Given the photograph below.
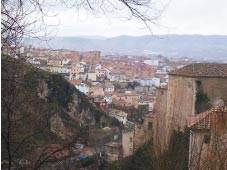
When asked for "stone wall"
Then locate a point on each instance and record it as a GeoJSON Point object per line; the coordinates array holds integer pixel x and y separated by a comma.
{"type": "Point", "coordinates": [175, 104]}
{"type": "Point", "coordinates": [127, 142]}
{"type": "Point", "coordinates": [182, 96]}
{"type": "Point", "coordinates": [198, 149]}
{"type": "Point", "coordinates": [180, 101]}
{"type": "Point", "coordinates": [215, 88]}
{"type": "Point", "coordinates": [160, 119]}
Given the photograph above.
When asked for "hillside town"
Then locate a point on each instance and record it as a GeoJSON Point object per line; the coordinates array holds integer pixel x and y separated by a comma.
{"type": "Point", "coordinates": [123, 86]}
{"type": "Point", "coordinates": [113, 85]}
{"type": "Point", "coordinates": [151, 96]}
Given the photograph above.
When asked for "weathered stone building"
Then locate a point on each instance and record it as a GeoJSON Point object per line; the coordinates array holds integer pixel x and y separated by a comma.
{"type": "Point", "coordinates": [143, 132]}
{"type": "Point", "coordinates": [160, 119]}
{"type": "Point", "coordinates": [113, 151]}
{"type": "Point", "coordinates": [127, 142]}
{"type": "Point", "coordinates": [208, 139]}
{"type": "Point", "coordinates": [191, 90]}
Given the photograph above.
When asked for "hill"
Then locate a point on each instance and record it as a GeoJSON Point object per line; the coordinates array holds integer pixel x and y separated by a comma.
{"type": "Point", "coordinates": [193, 46]}
{"type": "Point", "coordinates": [42, 115]}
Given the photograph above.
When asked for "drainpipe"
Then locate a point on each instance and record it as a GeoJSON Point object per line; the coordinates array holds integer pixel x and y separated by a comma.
{"type": "Point", "coordinates": [190, 148]}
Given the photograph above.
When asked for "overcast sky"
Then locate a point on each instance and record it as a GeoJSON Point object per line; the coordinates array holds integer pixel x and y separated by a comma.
{"type": "Point", "coordinates": [206, 17]}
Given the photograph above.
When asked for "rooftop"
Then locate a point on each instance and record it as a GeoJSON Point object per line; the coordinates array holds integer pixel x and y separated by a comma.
{"type": "Point", "coordinates": [200, 121]}
{"type": "Point", "coordinates": [113, 144]}
{"type": "Point", "coordinates": [149, 115]}
{"type": "Point", "coordinates": [203, 121]}
{"type": "Point", "coordinates": [121, 114]}
{"type": "Point", "coordinates": [202, 70]}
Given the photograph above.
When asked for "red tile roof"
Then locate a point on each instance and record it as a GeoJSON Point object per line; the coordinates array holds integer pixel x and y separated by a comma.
{"type": "Point", "coordinates": [202, 70]}
{"type": "Point", "coordinates": [203, 121]}
{"type": "Point", "coordinates": [200, 121]}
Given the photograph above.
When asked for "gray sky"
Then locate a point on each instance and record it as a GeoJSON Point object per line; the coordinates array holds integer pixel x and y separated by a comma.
{"type": "Point", "coordinates": [204, 17]}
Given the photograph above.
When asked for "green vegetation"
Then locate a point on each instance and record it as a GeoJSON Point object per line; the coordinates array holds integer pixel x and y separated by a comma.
{"type": "Point", "coordinates": [176, 157]}
{"type": "Point", "coordinates": [202, 102]}
{"type": "Point", "coordinates": [117, 85]}
{"type": "Point", "coordinates": [89, 161]}
{"type": "Point", "coordinates": [33, 76]}
{"type": "Point", "coordinates": [136, 115]}
{"type": "Point", "coordinates": [143, 109]}
{"type": "Point", "coordinates": [60, 91]}
{"type": "Point", "coordinates": [132, 85]}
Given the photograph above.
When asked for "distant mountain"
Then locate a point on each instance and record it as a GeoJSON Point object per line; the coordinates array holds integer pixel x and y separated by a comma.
{"type": "Point", "coordinates": [194, 46]}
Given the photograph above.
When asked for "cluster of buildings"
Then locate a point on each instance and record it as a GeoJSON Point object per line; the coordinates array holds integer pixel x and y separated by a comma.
{"type": "Point", "coordinates": [110, 80]}
{"type": "Point", "coordinates": [171, 95]}
{"type": "Point", "coordinates": [133, 136]}
{"type": "Point", "coordinates": [114, 83]}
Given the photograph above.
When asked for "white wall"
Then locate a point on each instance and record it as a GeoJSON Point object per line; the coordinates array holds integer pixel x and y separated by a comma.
{"type": "Point", "coordinates": [83, 88]}
{"type": "Point", "coordinates": [127, 143]}
{"type": "Point", "coordinates": [152, 62]}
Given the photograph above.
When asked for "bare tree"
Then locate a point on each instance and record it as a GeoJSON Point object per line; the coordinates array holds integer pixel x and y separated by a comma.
{"type": "Point", "coordinates": [25, 120]}
{"type": "Point", "coordinates": [22, 18]}
{"type": "Point", "coordinates": [26, 18]}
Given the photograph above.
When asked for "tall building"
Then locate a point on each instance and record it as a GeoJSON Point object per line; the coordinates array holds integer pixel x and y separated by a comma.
{"type": "Point", "coordinates": [191, 90]}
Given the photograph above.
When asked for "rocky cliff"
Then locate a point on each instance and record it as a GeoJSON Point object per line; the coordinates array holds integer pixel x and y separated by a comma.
{"type": "Point", "coordinates": [40, 108]}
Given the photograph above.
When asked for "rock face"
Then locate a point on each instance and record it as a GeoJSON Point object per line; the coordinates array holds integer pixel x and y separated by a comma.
{"type": "Point", "coordinates": [74, 107]}
{"type": "Point", "coordinates": [57, 127]}
{"type": "Point", "coordinates": [41, 110]}
{"type": "Point", "coordinates": [42, 89]}
{"type": "Point", "coordinates": [51, 98]}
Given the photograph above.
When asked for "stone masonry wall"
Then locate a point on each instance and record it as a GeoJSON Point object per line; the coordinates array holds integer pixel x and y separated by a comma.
{"type": "Point", "coordinates": [215, 88]}
{"type": "Point", "coordinates": [160, 119]}
{"type": "Point", "coordinates": [180, 101]}
{"type": "Point", "coordinates": [174, 105]}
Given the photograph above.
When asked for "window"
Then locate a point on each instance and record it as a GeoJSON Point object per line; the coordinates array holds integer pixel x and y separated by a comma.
{"type": "Point", "coordinates": [198, 86]}
{"type": "Point", "coordinates": [206, 139]}
{"type": "Point", "coordinates": [150, 125]}
{"type": "Point", "coordinates": [189, 84]}
{"type": "Point", "coordinates": [130, 139]}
